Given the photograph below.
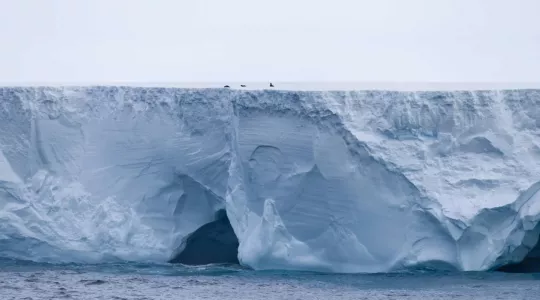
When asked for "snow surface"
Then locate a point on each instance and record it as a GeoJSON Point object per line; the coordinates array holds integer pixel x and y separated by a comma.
{"type": "Point", "coordinates": [339, 181]}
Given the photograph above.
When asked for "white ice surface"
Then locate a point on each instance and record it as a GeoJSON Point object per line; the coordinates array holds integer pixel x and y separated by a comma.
{"type": "Point", "coordinates": [351, 181]}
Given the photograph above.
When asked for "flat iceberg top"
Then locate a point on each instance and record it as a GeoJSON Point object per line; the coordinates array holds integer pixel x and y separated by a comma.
{"type": "Point", "coordinates": [342, 181]}
{"type": "Point", "coordinates": [305, 86]}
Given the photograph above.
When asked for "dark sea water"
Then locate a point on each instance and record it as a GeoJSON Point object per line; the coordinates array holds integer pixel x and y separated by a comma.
{"type": "Point", "coordinates": [26, 280]}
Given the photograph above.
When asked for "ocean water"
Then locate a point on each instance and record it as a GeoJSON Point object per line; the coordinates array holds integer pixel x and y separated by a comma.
{"type": "Point", "coordinates": [27, 280]}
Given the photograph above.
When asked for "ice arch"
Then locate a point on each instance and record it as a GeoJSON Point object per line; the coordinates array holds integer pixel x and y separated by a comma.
{"type": "Point", "coordinates": [214, 242]}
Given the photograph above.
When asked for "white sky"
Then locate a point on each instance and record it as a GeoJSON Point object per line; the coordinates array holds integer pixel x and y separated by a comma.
{"type": "Point", "coordinates": [67, 41]}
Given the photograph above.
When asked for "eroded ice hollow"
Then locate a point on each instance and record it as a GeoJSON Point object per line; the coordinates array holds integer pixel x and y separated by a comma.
{"type": "Point", "coordinates": [367, 181]}
{"type": "Point", "coordinates": [212, 243]}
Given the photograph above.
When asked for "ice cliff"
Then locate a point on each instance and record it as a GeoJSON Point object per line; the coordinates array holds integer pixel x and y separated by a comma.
{"type": "Point", "coordinates": [367, 181]}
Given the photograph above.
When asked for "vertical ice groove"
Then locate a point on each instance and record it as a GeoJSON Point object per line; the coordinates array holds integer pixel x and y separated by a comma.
{"type": "Point", "coordinates": [339, 181]}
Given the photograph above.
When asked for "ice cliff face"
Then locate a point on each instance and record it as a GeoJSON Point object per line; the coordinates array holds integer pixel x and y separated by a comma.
{"type": "Point", "coordinates": [329, 181]}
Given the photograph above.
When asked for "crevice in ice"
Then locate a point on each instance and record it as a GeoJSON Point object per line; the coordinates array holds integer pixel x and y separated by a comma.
{"type": "Point", "coordinates": [212, 243]}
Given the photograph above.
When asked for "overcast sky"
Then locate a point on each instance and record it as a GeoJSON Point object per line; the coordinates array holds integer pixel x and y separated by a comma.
{"type": "Point", "coordinates": [63, 41]}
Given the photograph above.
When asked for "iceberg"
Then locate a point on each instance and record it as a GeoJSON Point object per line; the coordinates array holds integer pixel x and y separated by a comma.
{"type": "Point", "coordinates": [332, 181]}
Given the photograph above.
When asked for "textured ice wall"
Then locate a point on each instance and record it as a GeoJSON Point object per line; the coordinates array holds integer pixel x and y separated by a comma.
{"type": "Point", "coordinates": [331, 181]}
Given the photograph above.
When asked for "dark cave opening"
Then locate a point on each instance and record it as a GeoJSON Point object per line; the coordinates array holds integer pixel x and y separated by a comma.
{"type": "Point", "coordinates": [212, 243]}
{"type": "Point", "coordinates": [530, 264]}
